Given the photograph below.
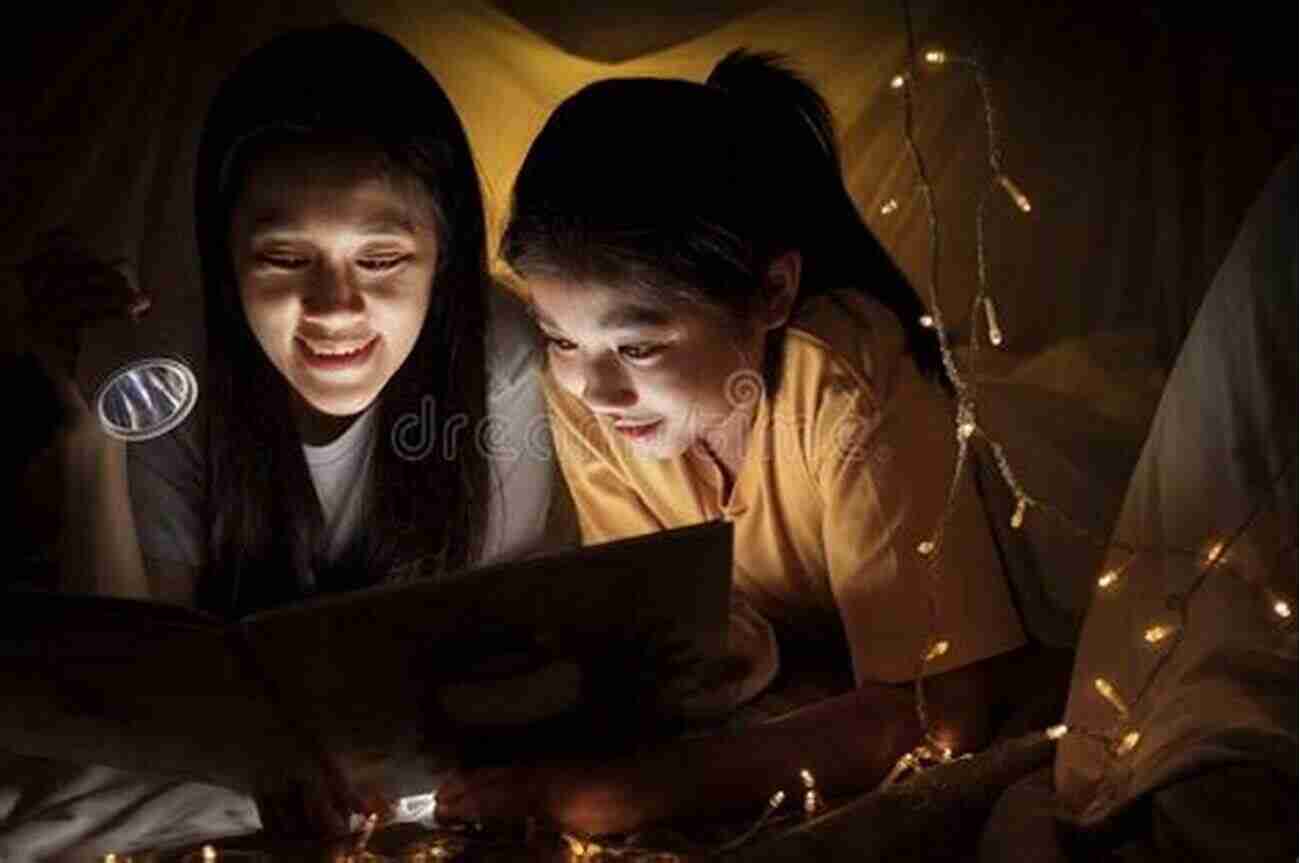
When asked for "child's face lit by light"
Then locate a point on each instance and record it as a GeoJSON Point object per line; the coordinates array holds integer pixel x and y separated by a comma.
{"type": "Point", "coordinates": [664, 379]}
{"type": "Point", "coordinates": [335, 262]}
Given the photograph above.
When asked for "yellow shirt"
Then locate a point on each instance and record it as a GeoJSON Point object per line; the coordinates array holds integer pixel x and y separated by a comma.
{"type": "Point", "coordinates": [846, 471]}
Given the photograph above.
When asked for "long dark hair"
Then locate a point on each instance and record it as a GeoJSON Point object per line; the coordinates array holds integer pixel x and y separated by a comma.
{"type": "Point", "coordinates": [318, 87]}
{"type": "Point", "coordinates": [686, 192]}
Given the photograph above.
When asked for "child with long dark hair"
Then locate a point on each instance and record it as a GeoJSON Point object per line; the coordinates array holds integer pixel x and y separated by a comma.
{"type": "Point", "coordinates": [369, 409]}
{"type": "Point", "coordinates": [727, 339]}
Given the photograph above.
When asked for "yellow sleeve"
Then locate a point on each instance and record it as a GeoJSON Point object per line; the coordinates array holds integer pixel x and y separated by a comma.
{"type": "Point", "coordinates": [883, 469]}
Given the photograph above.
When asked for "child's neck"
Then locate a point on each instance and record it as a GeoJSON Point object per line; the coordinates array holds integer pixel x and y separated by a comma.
{"type": "Point", "coordinates": [727, 445]}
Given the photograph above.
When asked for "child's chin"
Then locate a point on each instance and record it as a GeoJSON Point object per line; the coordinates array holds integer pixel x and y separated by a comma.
{"type": "Point", "coordinates": [657, 448]}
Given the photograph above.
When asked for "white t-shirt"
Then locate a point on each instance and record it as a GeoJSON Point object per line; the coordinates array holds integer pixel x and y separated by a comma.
{"type": "Point", "coordinates": [166, 474]}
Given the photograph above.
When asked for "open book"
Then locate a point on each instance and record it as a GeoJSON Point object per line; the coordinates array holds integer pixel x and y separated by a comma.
{"type": "Point", "coordinates": [391, 684]}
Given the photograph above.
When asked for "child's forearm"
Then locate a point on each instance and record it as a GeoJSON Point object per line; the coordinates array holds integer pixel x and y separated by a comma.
{"type": "Point", "coordinates": [848, 743]}
{"type": "Point", "coordinates": [99, 548]}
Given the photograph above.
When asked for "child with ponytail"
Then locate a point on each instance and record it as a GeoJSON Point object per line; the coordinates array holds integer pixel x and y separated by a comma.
{"type": "Point", "coordinates": [727, 339]}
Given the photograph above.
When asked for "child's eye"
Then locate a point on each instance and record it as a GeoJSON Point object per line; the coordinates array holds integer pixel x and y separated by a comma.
{"type": "Point", "coordinates": [382, 264]}
{"type": "Point", "coordinates": [282, 261]}
{"type": "Point", "coordinates": [641, 352]}
{"type": "Point", "coordinates": [558, 344]}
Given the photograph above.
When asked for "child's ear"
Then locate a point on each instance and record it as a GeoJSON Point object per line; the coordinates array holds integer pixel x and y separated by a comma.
{"type": "Point", "coordinates": [782, 287]}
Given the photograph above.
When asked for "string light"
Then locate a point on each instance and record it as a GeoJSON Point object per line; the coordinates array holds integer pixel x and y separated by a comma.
{"type": "Point", "coordinates": [1108, 692]}
{"type": "Point", "coordinates": [581, 849]}
{"type": "Point", "coordinates": [939, 648]}
{"type": "Point", "coordinates": [898, 82]}
{"type": "Point", "coordinates": [1215, 554]}
{"type": "Point", "coordinates": [1109, 580]}
{"type": "Point", "coordinates": [773, 803]}
{"type": "Point", "coordinates": [991, 317]}
{"type": "Point", "coordinates": [209, 854]}
{"type": "Point", "coordinates": [1158, 633]}
{"type": "Point", "coordinates": [889, 206]}
{"type": "Point", "coordinates": [811, 799]}
{"type": "Point", "coordinates": [1128, 743]}
{"type": "Point", "coordinates": [1017, 196]}
{"type": "Point", "coordinates": [1018, 517]}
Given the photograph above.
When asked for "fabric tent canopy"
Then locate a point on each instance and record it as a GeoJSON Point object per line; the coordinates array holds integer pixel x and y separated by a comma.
{"type": "Point", "coordinates": [1141, 133]}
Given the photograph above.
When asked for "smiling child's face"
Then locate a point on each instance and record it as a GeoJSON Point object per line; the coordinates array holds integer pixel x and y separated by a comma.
{"type": "Point", "coordinates": [665, 378]}
{"type": "Point", "coordinates": [335, 261]}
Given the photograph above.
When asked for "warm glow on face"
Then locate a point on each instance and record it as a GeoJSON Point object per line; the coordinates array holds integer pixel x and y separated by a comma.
{"type": "Point", "coordinates": [333, 260]}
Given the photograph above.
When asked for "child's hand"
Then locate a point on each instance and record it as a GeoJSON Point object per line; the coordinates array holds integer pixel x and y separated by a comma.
{"type": "Point", "coordinates": [314, 809]}
{"type": "Point", "coordinates": [590, 799]}
{"type": "Point", "coordinates": [66, 289]}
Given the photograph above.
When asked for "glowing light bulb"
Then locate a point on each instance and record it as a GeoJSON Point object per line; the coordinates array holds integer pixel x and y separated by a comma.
{"type": "Point", "coordinates": [927, 321]}
{"type": "Point", "coordinates": [1158, 633]}
{"type": "Point", "coordinates": [936, 57]}
{"type": "Point", "coordinates": [775, 801]}
{"type": "Point", "coordinates": [1018, 517]}
{"type": "Point", "coordinates": [807, 778]}
{"type": "Point", "coordinates": [939, 648]}
{"type": "Point", "coordinates": [1212, 556]}
{"type": "Point", "coordinates": [582, 849]}
{"type": "Point", "coordinates": [925, 548]}
{"type": "Point", "coordinates": [1282, 609]}
{"type": "Point", "coordinates": [966, 429]}
{"type": "Point", "coordinates": [888, 207]}
{"type": "Point", "coordinates": [1056, 732]}
{"type": "Point", "coordinates": [991, 317]}
{"type": "Point", "coordinates": [1128, 743]}
{"type": "Point", "coordinates": [1109, 579]}
{"type": "Point", "coordinates": [1108, 692]}
{"type": "Point", "coordinates": [209, 854]}
{"type": "Point", "coordinates": [898, 82]}
{"type": "Point", "coordinates": [110, 857]}
{"type": "Point", "coordinates": [1017, 196]}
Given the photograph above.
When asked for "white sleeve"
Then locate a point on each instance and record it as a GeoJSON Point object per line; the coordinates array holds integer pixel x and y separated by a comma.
{"type": "Point", "coordinates": [527, 496]}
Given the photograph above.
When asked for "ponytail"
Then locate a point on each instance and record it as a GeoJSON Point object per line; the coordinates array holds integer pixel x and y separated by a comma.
{"type": "Point", "coordinates": [794, 130]}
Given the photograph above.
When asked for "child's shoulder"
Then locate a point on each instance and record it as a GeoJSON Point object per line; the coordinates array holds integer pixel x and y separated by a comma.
{"type": "Point", "coordinates": [841, 342]}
